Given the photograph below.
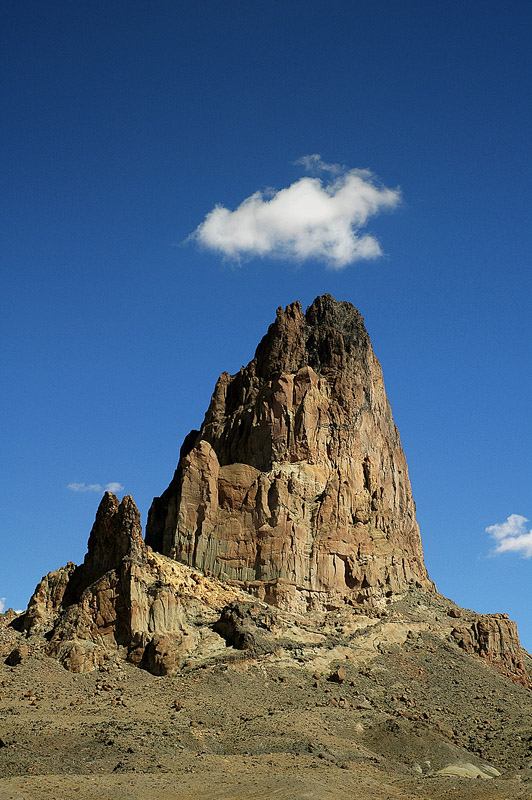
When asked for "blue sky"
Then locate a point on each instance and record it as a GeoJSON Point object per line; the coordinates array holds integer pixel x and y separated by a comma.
{"type": "Point", "coordinates": [125, 124]}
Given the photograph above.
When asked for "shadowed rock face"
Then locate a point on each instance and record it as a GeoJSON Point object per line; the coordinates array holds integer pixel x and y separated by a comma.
{"type": "Point", "coordinates": [88, 608]}
{"type": "Point", "coordinates": [297, 484]}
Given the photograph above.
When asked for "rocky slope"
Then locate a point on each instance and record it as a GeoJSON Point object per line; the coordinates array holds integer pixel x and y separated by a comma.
{"type": "Point", "coordinates": [348, 703]}
{"type": "Point", "coordinates": [297, 486]}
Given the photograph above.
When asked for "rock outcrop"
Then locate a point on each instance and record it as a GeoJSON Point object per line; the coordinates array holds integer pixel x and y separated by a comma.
{"type": "Point", "coordinates": [249, 626]}
{"type": "Point", "coordinates": [494, 638]}
{"type": "Point", "coordinates": [297, 486]}
{"type": "Point", "coordinates": [123, 601]}
{"type": "Point", "coordinates": [294, 493]}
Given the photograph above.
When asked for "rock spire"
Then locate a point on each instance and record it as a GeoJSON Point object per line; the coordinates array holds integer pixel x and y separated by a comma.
{"type": "Point", "coordinates": [296, 485]}
{"type": "Point", "coordinates": [124, 601]}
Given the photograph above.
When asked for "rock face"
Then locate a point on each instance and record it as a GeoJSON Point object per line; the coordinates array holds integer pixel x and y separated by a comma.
{"type": "Point", "coordinates": [494, 638]}
{"type": "Point", "coordinates": [297, 486]}
{"type": "Point", "coordinates": [123, 601]}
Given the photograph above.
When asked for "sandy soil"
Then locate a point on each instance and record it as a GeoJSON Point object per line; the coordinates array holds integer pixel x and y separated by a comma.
{"type": "Point", "coordinates": [272, 726]}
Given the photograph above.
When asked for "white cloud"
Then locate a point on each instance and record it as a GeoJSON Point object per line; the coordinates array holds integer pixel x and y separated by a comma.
{"type": "Point", "coordinates": [96, 487]}
{"type": "Point", "coordinates": [315, 163]}
{"type": "Point", "coordinates": [85, 487]}
{"type": "Point", "coordinates": [512, 536]}
{"type": "Point", "coordinates": [114, 487]}
{"type": "Point", "coordinates": [310, 219]}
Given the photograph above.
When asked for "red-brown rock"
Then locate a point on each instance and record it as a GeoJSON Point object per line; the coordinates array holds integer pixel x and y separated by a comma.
{"type": "Point", "coordinates": [338, 676]}
{"type": "Point", "coordinates": [494, 638]}
{"type": "Point", "coordinates": [17, 655]}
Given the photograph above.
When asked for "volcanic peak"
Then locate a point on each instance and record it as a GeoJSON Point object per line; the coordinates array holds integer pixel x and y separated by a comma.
{"type": "Point", "coordinates": [296, 486]}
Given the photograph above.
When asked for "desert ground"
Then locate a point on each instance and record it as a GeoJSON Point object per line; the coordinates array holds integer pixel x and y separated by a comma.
{"type": "Point", "coordinates": [385, 707]}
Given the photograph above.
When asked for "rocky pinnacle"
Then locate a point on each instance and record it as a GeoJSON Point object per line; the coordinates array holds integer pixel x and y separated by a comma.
{"type": "Point", "coordinates": [296, 486]}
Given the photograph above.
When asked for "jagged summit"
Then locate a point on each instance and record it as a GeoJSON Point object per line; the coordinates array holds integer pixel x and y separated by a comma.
{"type": "Point", "coordinates": [296, 340]}
{"type": "Point", "coordinates": [115, 539]}
{"type": "Point", "coordinates": [296, 484]}
{"type": "Point", "coordinates": [115, 535]}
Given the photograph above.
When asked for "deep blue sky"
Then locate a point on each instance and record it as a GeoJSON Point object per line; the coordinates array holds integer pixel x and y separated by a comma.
{"type": "Point", "coordinates": [125, 123]}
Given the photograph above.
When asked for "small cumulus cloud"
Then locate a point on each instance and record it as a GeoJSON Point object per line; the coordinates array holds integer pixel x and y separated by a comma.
{"type": "Point", "coordinates": [313, 218]}
{"type": "Point", "coordinates": [96, 487]}
{"type": "Point", "coordinates": [512, 536]}
{"type": "Point", "coordinates": [113, 487]}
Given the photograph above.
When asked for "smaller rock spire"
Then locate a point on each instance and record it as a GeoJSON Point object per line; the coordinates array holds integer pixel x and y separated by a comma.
{"type": "Point", "coordinates": [116, 533]}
